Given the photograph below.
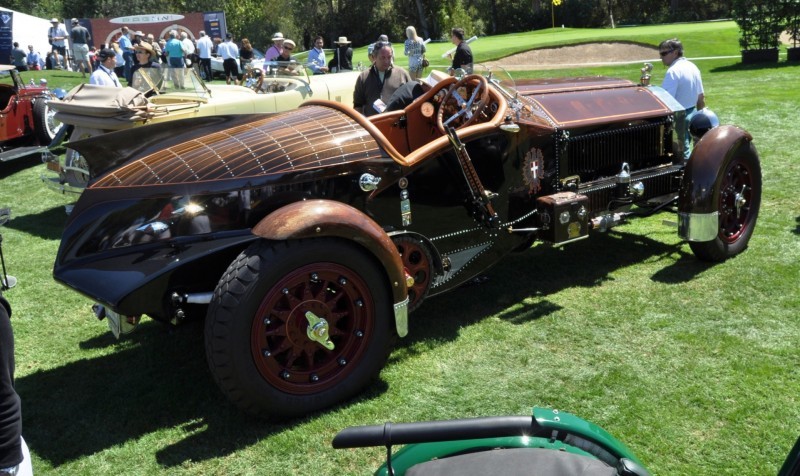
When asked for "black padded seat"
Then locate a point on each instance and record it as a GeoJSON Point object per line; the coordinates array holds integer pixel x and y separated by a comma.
{"type": "Point", "coordinates": [514, 461]}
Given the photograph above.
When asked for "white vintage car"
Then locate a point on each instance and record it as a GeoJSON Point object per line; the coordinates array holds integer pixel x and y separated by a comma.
{"type": "Point", "coordinates": [167, 94]}
{"type": "Point", "coordinates": [218, 70]}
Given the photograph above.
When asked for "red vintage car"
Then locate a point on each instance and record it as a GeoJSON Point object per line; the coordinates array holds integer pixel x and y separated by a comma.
{"type": "Point", "coordinates": [305, 238]}
{"type": "Point", "coordinates": [27, 124]}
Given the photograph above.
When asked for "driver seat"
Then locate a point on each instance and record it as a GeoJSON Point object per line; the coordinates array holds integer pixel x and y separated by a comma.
{"type": "Point", "coordinates": [383, 130]}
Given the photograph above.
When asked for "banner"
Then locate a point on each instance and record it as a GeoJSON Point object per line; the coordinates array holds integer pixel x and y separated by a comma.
{"type": "Point", "coordinates": [6, 36]}
{"type": "Point", "coordinates": [214, 24]}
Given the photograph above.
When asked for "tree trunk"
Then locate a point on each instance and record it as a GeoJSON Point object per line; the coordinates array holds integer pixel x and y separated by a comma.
{"type": "Point", "coordinates": [423, 23]}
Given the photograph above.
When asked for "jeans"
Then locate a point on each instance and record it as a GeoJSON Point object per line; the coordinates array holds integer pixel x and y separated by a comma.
{"type": "Point", "coordinates": [687, 139]}
{"type": "Point", "coordinates": [128, 57]}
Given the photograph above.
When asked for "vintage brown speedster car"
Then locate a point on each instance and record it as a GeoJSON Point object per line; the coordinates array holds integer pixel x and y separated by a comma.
{"type": "Point", "coordinates": [305, 238]}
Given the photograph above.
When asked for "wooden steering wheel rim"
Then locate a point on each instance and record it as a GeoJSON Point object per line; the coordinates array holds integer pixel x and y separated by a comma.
{"type": "Point", "coordinates": [477, 108]}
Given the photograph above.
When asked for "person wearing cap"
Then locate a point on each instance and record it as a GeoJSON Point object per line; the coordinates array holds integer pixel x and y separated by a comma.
{"type": "Point", "coordinates": [229, 53]}
{"type": "Point", "coordinates": [276, 49]}
{"type": "Point", "coordinates": [342, 56]}
{"type": "Point", "coordinates": [56, 36]}
{"type": "Point", "coordinates": [104, 74]}
{"type": "Point", "coordinates": [286, 57]}
{"type": "Point", "coordinates": [316, 57]}
{"type": "Point", "coordinates": [375, 86]}
{"type": "Point", "coordinates": [126, 46]}
{"type": "Point", "coordinates": [145, 58]}
{"type": "Point", "coordinates": [79, 38]}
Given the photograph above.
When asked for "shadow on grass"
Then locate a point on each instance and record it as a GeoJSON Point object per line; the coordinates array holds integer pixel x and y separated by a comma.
{"type": "Point", "coordinates": [161, 381]}
{"type": "Point", "coordinates": [517, 288]}
{"type": "Point", "coordinates": [47, 224]}
{"type": "Point", "coordinates": [158, 379]}
{"type": "Point", "coordinates": [735, 67]}
{"type": "Point", "coordinates": [11, 167]}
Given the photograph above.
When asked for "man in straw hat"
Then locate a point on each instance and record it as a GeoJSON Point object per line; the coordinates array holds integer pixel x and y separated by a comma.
{"type": "Point", "coordinates": [145, 58]}
{"type": "Point", "coordinates": [342, 56]}
{"type": "Point", "coordinates": [56, 36]}
{"type": "Point", "coordinates": [277, 47]}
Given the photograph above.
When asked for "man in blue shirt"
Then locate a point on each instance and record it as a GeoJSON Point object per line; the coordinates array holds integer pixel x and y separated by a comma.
{"type": "Point", "coordinates": [126, 46]}
{"type": "Point", "coordinates": [34, 60]}
{"type": "Point", "coordinates": [316, 57]}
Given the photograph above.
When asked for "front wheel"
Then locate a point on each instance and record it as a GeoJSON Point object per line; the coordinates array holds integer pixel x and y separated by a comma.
{"type": "Point", "coordinates": [295, 327]}
{"type": "Point", "coordinates": [738, 192]}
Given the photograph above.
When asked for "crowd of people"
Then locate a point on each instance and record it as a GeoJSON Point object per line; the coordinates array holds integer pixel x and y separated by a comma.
{"type": "Point", "coordinates": [376, 84]}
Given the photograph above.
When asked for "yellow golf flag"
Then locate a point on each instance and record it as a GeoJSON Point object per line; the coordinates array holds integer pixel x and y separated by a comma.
{"type": "Point", "coordinates": [556, 2]}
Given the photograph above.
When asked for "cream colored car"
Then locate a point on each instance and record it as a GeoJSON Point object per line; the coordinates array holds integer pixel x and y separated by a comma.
{"type": "Point", "coordinates": [167, 94]}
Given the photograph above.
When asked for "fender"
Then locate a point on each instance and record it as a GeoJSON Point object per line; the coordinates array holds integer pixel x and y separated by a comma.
{"type": "Point", "coordinates": [316, 218]}
{"type": "Point", "coordinates": [698, 200]}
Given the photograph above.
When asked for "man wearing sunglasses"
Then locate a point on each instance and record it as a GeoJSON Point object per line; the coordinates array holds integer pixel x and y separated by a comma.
{"type": "Point", "coordinates": [682, 80]}
{"type": "Point", "coordinates": [285, 58]}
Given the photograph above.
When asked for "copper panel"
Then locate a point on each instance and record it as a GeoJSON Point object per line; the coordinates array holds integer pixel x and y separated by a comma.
{"type": "Point", "coordinates": [306, 138]}
{"type": "Point", "coordinates": [540, 86]}
{"type": "Point", "coordinates": [579, 108]}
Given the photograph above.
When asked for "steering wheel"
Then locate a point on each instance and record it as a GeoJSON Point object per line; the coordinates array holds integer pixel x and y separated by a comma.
{"type": "Point", "coordinates": [463, 103]}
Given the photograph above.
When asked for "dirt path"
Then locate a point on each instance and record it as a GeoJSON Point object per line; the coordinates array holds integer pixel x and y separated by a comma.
{"type": "Point", "coordinates": [579, 55]}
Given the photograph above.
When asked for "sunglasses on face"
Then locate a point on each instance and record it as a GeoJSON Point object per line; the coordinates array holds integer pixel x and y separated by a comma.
{"type": "Point", "coordinates": [287, 48]}
{"type": "Point", "coordinates": [665, 53]}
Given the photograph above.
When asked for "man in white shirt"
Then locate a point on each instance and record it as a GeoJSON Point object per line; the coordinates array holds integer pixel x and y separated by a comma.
{"type": "Point", "coordinates": [204, 48]}
{"type": "Point", "coordinates": [188, 48]}
{"type": "Point", "coordinates": [683, 82]}
{"type": "Point", "coordinates": [104, 74]}
{"type": "Point", "coordinates": [229, 53]}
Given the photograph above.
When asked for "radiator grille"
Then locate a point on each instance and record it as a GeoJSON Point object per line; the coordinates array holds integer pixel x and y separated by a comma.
{"type": "Point", "coordinates": [600, 154]}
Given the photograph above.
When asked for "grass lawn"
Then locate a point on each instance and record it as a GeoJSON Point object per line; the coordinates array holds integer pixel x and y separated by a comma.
{"type": "Point", "coordinates": [693, 366]}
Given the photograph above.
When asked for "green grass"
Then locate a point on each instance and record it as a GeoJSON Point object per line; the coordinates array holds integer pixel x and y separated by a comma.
{"type": "Point", "coordinates": [693, 366]}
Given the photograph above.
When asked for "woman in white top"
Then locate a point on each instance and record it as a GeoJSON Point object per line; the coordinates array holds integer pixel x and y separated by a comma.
{"type": "Point", "coordinates": [415, 50]}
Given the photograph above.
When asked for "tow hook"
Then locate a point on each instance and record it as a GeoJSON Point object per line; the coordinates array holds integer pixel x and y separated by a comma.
{"type": "Point", "coordinates": [317, 330]}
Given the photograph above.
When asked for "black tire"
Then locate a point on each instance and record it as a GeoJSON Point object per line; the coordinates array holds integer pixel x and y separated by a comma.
{"type": "Point", "coordinates": [256, 339]}
{"type": "Point", "coordinates": [738, 192]}
{"type": "Point", "coordinates": [44, 122]}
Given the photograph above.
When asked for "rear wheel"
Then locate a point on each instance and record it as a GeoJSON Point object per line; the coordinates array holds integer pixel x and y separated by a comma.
{"type": "Point", "coordinates": [417, 263]}
{"type": "Point", "coordinates": [738, 189]}
{"type": "Point", "coordinates": [77, 171]}
{"type": "Point", "coordinates": [295, 327]}
{"type": "Point", "coordinates": [44, 121]}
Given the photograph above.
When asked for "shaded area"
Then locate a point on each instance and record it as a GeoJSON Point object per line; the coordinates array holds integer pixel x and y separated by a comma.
{"type": "Point", "coordinates": [160, 382]}
{"type": "Point", "coordinates": [523, 281]}
{"type": "Point", "coordinates": [47, 224]}
{"type": "Point", "coordinates": [8, 169]}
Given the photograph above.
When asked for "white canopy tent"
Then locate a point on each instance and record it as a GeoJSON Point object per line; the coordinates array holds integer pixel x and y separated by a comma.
{"type": "Point", "coordinates": [30, 30]}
